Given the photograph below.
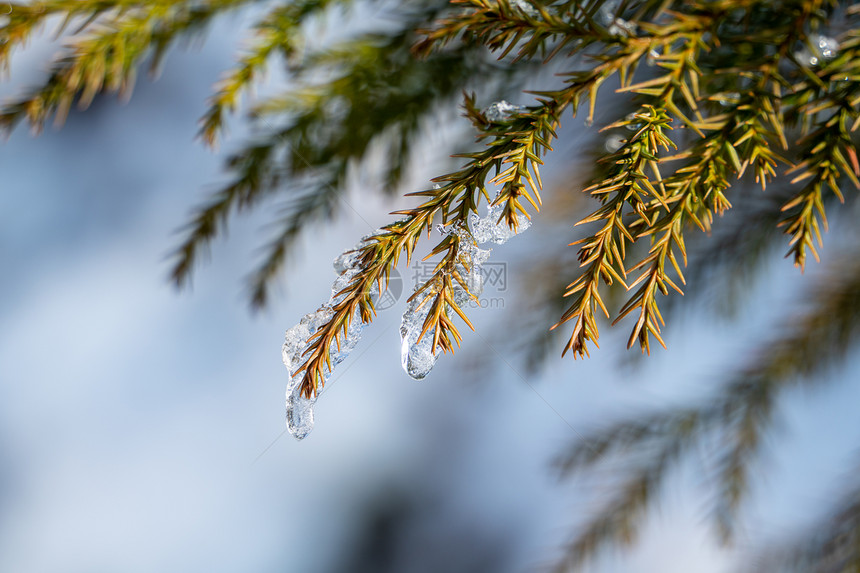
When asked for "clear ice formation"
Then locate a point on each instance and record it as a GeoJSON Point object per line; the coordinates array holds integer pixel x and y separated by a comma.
{"type": "Point", "coordinates": [470, 266]}
{"type": "Point", "coordinates": [300, 412]}
{"type": "Point", "coordinates": [633, 125]}
{"type": "Point", "coordinates": [622, 28]}
{"type": "Point", "coordinates": [501, 111]}
{"type": "Point", "coordinates": [489, 229]}
{"type": "Point", "coordinates": [416, 356]}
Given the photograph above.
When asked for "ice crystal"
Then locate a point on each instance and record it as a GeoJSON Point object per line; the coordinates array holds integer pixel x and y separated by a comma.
{"type": "Point", "coordinates": [501, 111]}
{"type": "Point", "coordinates": [622, 28]}
{"type": "Point", "coordinates": [416, 356]}
{"type": "Point", "coordinates": [634, 124]}
{"type": "Point", "coordinates": [615, 26]}
{"type": "Point", "coordinates": [489, 229]}
{"type": "Point", "coordinates": [470, 261]}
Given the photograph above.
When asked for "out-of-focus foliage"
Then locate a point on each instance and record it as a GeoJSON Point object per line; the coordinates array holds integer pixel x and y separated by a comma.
{"type": "Point", "coordinates": [719, 97]}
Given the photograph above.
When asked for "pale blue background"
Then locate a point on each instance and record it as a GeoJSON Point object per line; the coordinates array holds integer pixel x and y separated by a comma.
{"type": "Point", "coordinates": [133, 417]}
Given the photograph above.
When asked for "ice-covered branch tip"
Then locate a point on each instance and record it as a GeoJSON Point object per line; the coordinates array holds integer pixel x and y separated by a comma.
{"type": "Point", "coordinates": [300, 414]}
{"type": "Point", "coordinates": [514, 155]}
{"type": "Point", "coordinates": [418, 353]}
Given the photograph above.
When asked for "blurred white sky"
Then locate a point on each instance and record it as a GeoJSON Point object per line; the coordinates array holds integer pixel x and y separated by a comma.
{"type": "Point", "coordinates": [131, 415]}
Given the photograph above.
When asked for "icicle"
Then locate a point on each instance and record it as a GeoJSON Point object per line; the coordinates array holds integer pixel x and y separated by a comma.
{"type": "Point", "coordinates": [501, 111]}
{"type": "Point", "coordinates": [416, 356]}
{"type": "Point", "coordinates": [300, 414]}
{"type": "Point", "coordinates": [300, 410]}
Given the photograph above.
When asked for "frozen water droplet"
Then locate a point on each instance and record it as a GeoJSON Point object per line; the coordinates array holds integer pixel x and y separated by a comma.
{"type": "Point", "coordinates": [588, 122]}
{"type": "Point", "coordinates": [501, 111]}
{"type": "Point", "coordinates": [824, 48]}
{"type": "Point", "coordinates": [827, 47]}
{"type": "Point", "coordinates": [526, 8]}
{"type": "Point", "coordinates": [633, 125]}
{"type": "Point", "coordinates": [613, 143]}
{"type": "Point", "coordinates": [350, 259]}
{"type": "Point", "coordinates": [470, 267]}
{"type": "Point", "coordinates": [470, 260]}
{"type": "Point", "coordinates": [489, 229]}
{"type": "Point", "coordinates": [416, 356]}
{"type": "Point", "coordinates": [653, 56]}
{"type": "Point", "coordinates": [622, 28]}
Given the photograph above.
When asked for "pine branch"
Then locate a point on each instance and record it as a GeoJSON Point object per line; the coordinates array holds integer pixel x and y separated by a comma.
{"type": "Point", "coordinates": [278, 32]}
{"type": "Point", "coordinates": [602, 254]}
{"type": "Point", "coordinates": [106, 57]}
{"type": "Point", "coordinates": [517, 146]}
{"type": "Point", "coordinates": [377, 95]}
{"type": "Point", "coordinates": [829, 153]}
{"type": "Point", "coordinates": [739, 415]}
{"type": "Point", "coordinates": [516, 143]}
{"type": "Point", "coordinates": [502, 25]}
{"type": "Point", "coordinates": [618, 522]}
